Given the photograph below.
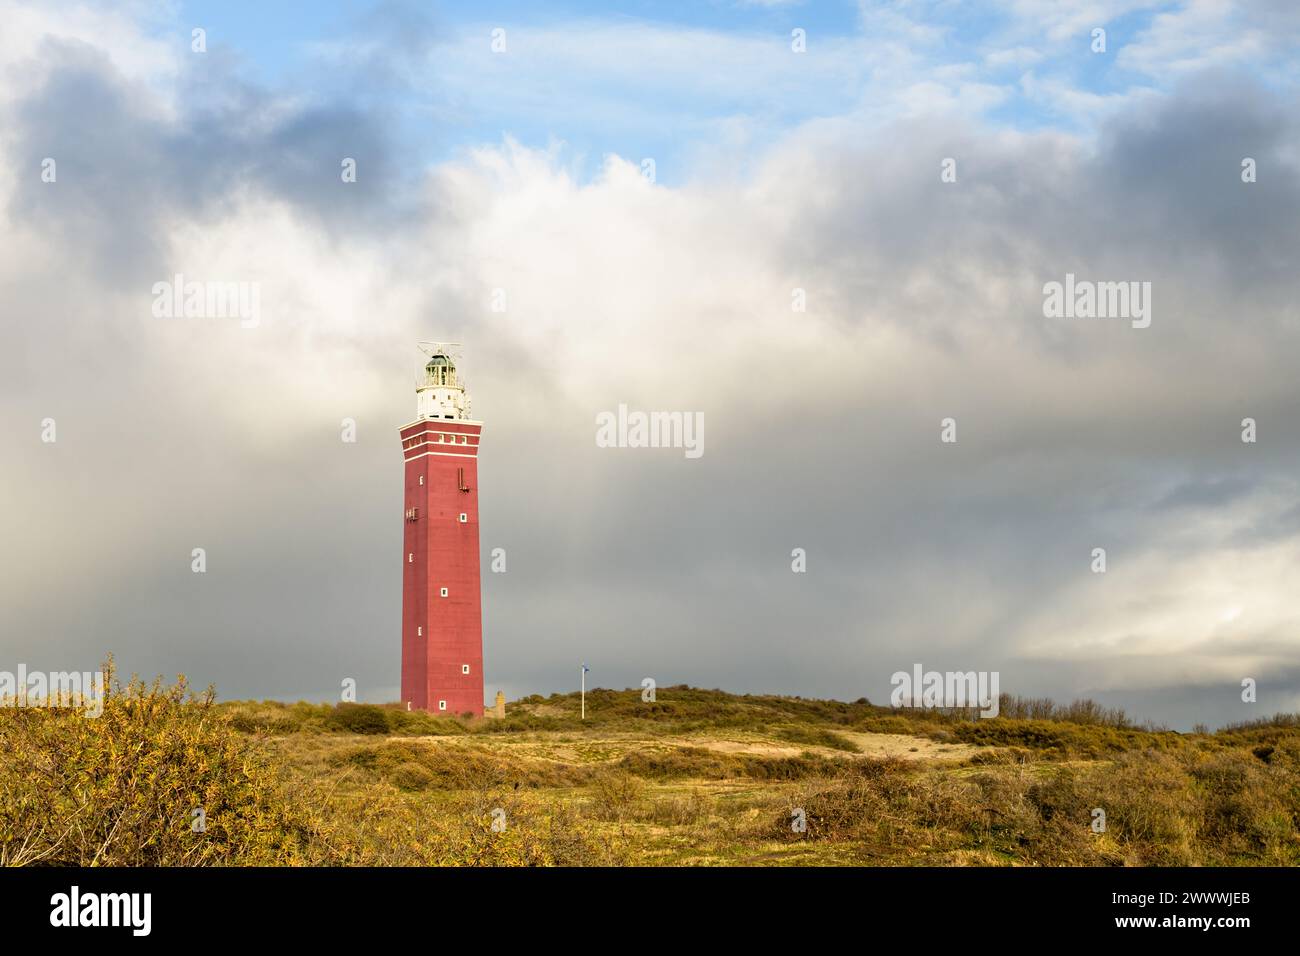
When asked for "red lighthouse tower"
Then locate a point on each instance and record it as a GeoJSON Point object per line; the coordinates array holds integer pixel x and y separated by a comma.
{"type": "Point", "coordinates": [442, 615]}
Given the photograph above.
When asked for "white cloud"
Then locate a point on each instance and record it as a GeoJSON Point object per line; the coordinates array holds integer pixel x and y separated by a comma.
{"type": "Point", "coordinates": [121, 34]}
{"type": "Point", "coordinates": [1196, 36]}
{"type": "Point", "coordinates": [923, 301]}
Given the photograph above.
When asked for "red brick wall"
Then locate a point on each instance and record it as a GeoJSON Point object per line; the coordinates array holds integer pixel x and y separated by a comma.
{"type": "Point", "coordinates": [445, 555]}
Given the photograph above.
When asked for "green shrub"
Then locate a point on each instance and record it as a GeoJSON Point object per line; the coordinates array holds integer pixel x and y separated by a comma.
{"type": "Point", "coordinates": [818, 737]}
{"type": "Point", "coordinates": [615, 794]}
{"type": "Point", "coordinates": [411, 776]}
{"type": "Point", "coordinates": [360, 719]}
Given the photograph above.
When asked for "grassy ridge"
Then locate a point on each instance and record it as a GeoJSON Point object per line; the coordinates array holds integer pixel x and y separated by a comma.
{"type": "Point", "coordinates": [1080, 730]}
{"type": "Point", "coordinates": [697, 777]}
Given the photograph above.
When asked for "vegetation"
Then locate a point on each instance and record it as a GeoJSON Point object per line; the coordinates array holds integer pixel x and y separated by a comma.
{"type": "Point", "coordinates": [159, 778]}
{"type": "Point", "coordinates": [696, 777]}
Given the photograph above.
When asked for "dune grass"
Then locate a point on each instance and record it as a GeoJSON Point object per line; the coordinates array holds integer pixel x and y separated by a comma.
{"type": "Point", "coordinates": [697, 777]}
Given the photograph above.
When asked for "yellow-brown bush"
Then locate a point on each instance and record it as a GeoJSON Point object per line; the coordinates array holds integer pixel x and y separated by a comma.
{"type": "Point", "coordinates": [121, 789]}
{"type": "Point", "coordinates": [1180, 808]}
{"type": "Point", "coordinates": [615, 794]}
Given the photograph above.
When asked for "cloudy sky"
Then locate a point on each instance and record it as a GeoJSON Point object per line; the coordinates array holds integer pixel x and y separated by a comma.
{"type": "Point", "coordinates": [524, 169]}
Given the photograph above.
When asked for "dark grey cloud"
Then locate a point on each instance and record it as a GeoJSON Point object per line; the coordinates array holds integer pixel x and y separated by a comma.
{"type": "Point", "coordinates": [1206, 492]}
{"type": "Point", "coordinates": [127, 170]}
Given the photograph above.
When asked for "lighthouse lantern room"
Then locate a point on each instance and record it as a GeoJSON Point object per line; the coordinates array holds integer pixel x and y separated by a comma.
{"type": "Point", "coordinates": [441, 395]}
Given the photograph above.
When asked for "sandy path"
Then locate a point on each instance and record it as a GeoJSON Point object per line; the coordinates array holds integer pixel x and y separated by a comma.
{"type": "Point", "coordinates": [602, 749]}
{"type": "Point", "coordinates": [901, 746]}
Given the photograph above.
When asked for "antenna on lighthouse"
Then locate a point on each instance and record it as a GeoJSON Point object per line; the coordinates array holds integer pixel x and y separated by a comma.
{"type": "Point", "coordinates": [451, 350]}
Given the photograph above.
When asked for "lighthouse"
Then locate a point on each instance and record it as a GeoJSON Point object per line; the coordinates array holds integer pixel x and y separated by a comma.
{"type": "Point", "coordinates": [442, 613]}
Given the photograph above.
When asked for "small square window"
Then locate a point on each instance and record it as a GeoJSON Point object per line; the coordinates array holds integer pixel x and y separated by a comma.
{"type": "Point", "coordinates": [419, 631]}
{"type": "Point", "coordinates": [444, 592]}
{"type": "Point", "coordinates": [463, 517]}
{"type": "Point", "coordinates": [464, 668]}
{"type": "Point", "coordinates": [442, 705]}
{"type": "Point", "coordinates": [410, 557]}
{"type": "Point", "coordinates": [422, 479]}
